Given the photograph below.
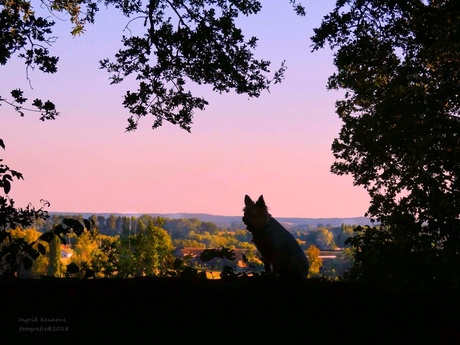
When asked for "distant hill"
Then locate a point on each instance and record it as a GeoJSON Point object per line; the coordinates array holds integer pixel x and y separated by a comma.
{"type": "Point", "coordinates": [228, 221]}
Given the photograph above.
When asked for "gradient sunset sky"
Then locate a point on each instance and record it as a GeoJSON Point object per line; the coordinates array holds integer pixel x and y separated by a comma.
{"type": "Point", "coordinates": [278, 145]}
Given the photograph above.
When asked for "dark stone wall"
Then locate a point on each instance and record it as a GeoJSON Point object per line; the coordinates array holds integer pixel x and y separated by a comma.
{"type": "Point", "coordinates": [244, 310]}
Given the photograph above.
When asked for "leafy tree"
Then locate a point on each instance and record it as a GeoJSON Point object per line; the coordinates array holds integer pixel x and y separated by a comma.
{"type": "Point", "coordinates": [119, 225]}
{"type": "Point", "coordinates": [346, 231]}
{"type": "Point", "coordinates": [243, 235]}
{"type": "Point", "coordinates": [95, 220]}
{"type": "Point", "coordinates": [315, 261]}
{"type": "Point", "coordinates": [206, 240]}
{"type": "Point", "coordinates": [86, 249]}
{"type": "Point", "coordinates": [209, 227]}
{"type": "Point", "coordinates": [399, 65]}
{"type": "Point", "coordinates": [54, 258]}
{"type": "Point", "coordinates": [321, 238]}
{"type": "Point", "coordinates": [140, 225]}
{"type": "Point", "coordinates": [15, 264]}
{"type": "Point", "coordinates": [18, 255]}
{"type": "Point", "coordinates": [15, 252]}
{"type": "Point", "coordinates": [112, 225]}
{"type": "Point", "coordinates": [181, 42]}
{"type": "Point", "coordinates": [147, 253]}
{"type": "Point", "coordinates": [325, 239]}
{"type": "Point", "coordinates": [104, 262]}
{"type": "Point", "coordinates": [188, 243]}
{"type": "Point", "coordinates": [126, 227]}
{"type": "Point", "coordinates": [40, 264]}
{"type": "Point", "coordinates": [86, 252]}
{"type": "Point", "coordinates": [178, 228]}
{"type": "Point", "coordinates": [246, 245]}
{"type": "Point", "coordinates": [101, 224]}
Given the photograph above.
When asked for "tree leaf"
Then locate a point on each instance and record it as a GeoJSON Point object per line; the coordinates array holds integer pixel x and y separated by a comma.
{"type": "Point", "coordinates": [87, 224]}
{"type": "Point", "coordinates": [72, 268]}
{"type": "Point", "coordinates": [31, 251]}
{"type": "Point", "coordinates": [41, 249]}
{"type": "Point", "coordinates": [6, 186]}
{"type": "Point", "coordinates": [63, 240]}
{"type": "Point", "coordinates": [76, 226]}
{"type": "Point", "coordinates": [89, 273]}
{"type": "Point", "coordinates": [47, 236]}
{"type": "Point", "coordinates": [61, 230]}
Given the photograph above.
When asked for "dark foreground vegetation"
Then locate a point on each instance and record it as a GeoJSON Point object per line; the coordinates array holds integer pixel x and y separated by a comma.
{"type": "Point", "coordinates": [241, 310]}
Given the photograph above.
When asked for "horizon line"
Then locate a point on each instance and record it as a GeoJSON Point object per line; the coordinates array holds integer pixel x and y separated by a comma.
{"type": "Point", "coordinates": [194, 213]}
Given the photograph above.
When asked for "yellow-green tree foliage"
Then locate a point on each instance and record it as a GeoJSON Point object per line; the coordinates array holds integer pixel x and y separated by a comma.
{"type": "Point", "coordinates": [325, 239]}
{"type": "Point", "coordinates": [105, 260]}
{"type": "Point", "coordinates": [246, 245]}
{"type": "Point", "coordinates": [54, 257]}
{"type": "Point", "coordinates": [87, 252]}
{"type": "Point", "coordinates": [315, 261]}
{"type": "Point", "coordinates": [254, 261]}
{"type": "Point", "coordinates": [30, 235]}
{"type": "Point", "coordinates": [188, 243]}
{"type": "Point", "coordinates": [223, 240]}
{"type": "Point", "coordinates": [147, 253]}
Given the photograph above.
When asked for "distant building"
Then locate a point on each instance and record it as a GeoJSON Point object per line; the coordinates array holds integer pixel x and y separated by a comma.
{"type": "Point", "coordinates": [66, 254]}
{"type": "Point", "coordinates": [66, 251]}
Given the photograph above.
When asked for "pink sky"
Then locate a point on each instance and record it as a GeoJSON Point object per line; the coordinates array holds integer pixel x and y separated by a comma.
{"type": "Point", "coordinates": [277, 145]}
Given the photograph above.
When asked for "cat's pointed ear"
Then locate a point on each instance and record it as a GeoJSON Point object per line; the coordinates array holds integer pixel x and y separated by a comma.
{"type": "Point", "coordinates": [261, 201]}
{"type": "Point", "coordinates": [248, 200]}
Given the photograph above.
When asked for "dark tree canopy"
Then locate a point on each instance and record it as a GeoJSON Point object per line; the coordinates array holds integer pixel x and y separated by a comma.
{"type": "Point", "coordinates": [399, 65]}
{"type": "Point", "coordinates": [195, 41]}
